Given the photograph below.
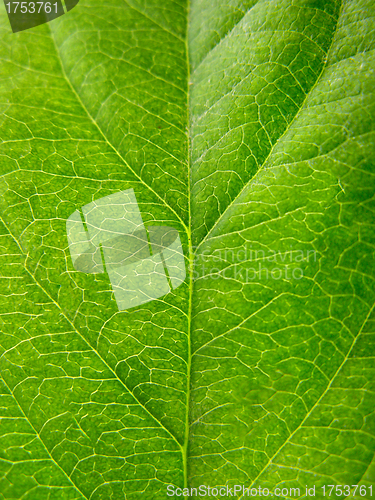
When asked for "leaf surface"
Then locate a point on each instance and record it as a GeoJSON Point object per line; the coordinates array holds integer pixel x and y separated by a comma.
{"type": "Point", "coordinates": [249, 127]}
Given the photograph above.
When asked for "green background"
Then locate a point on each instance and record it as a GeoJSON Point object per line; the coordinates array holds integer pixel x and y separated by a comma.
{"type": "Point", "coordinates": [243, 124]}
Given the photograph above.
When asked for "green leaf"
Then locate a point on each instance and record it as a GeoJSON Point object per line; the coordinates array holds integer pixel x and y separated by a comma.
{"type": "Point", "coordinates": [248, 126]}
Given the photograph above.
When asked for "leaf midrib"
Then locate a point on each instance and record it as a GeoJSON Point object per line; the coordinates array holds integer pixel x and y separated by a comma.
{"type": "Point", "coordinates": [185, 452]}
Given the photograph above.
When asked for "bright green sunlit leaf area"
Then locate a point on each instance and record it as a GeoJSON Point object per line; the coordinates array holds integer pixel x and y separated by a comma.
{"type": "Point", "coordinates": [248, 127]}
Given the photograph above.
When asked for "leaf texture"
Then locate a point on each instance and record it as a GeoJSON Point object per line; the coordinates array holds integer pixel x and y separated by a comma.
{"type": "Point", "coordinates": [249, 127]}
